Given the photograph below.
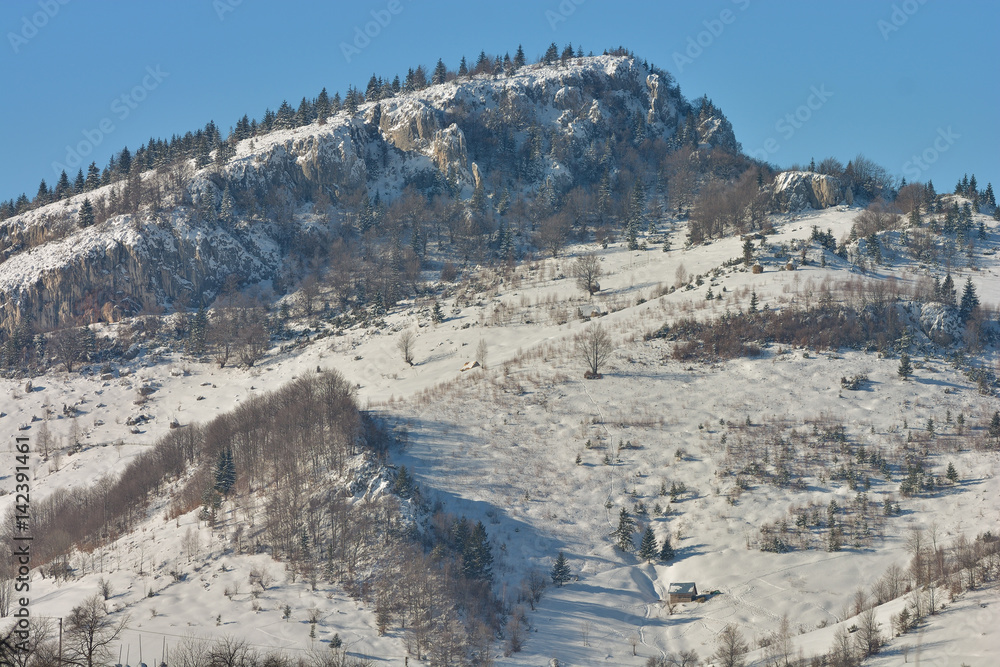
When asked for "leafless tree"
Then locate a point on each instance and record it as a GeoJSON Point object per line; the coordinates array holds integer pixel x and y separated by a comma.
{"type": "Point", "coordinates": [231, 652]}
{"type": "Point", "coordinates": [89, 633]}
{"type": "Point", "coordinates": [633, 640]}
{"type": "Point", "coordinates": [587, 269]}
{"type": "Point", "coordinates": [222, 333]}
{"type": "Point", "coordinates": [482, 352]}
{"type": "Point", "coordinates": [67, 344]}
{"type": "Point", "coordinates": [842, 652]}
{"type": "Point", "coordinates": [779, 648]}
{"type": "Point", "coordinates": [731, 647]}
{"type": "Point", "coordinates": [879, 216]}
{"type": "Point", "coordinates": [553, 231]}
{"type": "Point", "coordinates": [405, 345]}
{"type": "Point", "coordinates": [309, 289]}
{"type": "Point", "coordinates": [594, 346]}
{"type": "Point", "coordinates": [869, 634]}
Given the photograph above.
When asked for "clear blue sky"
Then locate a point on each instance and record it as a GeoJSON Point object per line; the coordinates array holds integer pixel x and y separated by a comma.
{"type": "Point", "coordinates": [893, 80]}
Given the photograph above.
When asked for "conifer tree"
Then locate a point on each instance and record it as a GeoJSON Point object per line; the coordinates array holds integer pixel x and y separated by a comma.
{"type": "Point", "coordinates": [970, 301]}
{"type": "Point", "coordinates": [623, 533]}
{"type": "Point", "coordinates": [463, 68]}
{"type": "Point", "coordinates": [747, 251]}
{"type": "Point", "coordinates": [477, 557]}
{"type": "Point", "coordinates": [666, 549]}
{"type": "Point", "coordinates": [79, 184]}
{"type": "Point", "coordinates": [404, 483]}
{"type": "Point", "coordinates": [437, 315]}
{"type": "Point", "coordinates": [560, 570]}
{"type": "Point", "coordinates": [225, 472]}
{"type": "Point", "coordinates": [551, 54]}
{"type": "Point", "coordinates": [199, 332]}
{"type": "Point", "coordinates": [62, 186]}
{"type": "Point", "coordinates": [905, 367]}
{"type": "Point", "coordinates": [226, 214]}
{"type": "Point", "coordinates": [42, 197]}
{"type": "Point", "coordinates": [994, 428]}
{"type": "Point", "coordinates": [519, 58]}
{"type": "Point", "coordinates": [86, 214]}
{"type": "Point", "coordinates": [322, 107]}
{"type": "Point", "coordinates": [647, 546]}
{"type": "Point", "coordinates": [93, 176]}
{"type": "Point", "coordinates": [753, 303]}
{"type": "Point", "coordinates": [948, 290]}
{"type": "Point", "coordinates": [952, 473]}
{"type": "Point", "coordinates": [440, 72]}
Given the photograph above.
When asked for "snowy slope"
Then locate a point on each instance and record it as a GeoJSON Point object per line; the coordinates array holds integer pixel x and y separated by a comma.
{"type": "Point", "coordinates": [500, 445]}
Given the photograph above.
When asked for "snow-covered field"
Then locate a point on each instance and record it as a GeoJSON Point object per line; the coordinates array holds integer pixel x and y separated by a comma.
{"type": "Point", "coordinates": [501, 444]}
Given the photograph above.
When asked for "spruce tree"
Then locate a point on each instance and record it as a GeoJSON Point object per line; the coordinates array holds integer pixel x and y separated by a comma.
{"type": "Point", "coordinates": [63, 188]}
{"type": "Point", "coordinates": [440, 72]}
{"type": "Point", "coordinates": [477, 557]}
{"type": "Point", "coordinates": [994, 428]}
{"type": "Point", "coordinates": [437, 315]}
{"type": "Point", "coordinates": [560, 570]}
{"type": "Point", "coordinates": [948, 290]}
{"type": "Point", "coordinates": [623, 533]}
{"type": "Point", "coordinates": [952, 474]}
{"type": "Point", "coordinates": [753, 303]}
{"type": "Point", "coordinates": [905, 368]}
{"type": "Point", "coordinates": [666, 549]}
{"type": "Point", "coordinates": [322, 107]}
{"type": "Point", "coordinates": [404, 483]}
{"type": "Point", "coordinates": [225, 472]}
{"type": "Point", "coordinates": [463, 68]}
{"type": "Point", "coordinates": [551, 54]}
{"type": "Point", "coordinates": [647, 546]}
{"type": "Point", "coordinates": [519, 57]}
{"type": "Point", "coordinates": [86, 214]}
{"type": "Point", "coordinates": [969, 301]}
{"type": "Point", "coordinates": [226, 213]}
{"type": "Point", "coordinates": [199, 332]}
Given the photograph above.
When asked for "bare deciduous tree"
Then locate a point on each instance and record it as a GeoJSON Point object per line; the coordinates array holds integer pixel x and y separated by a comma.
{"type": "Point", "coordinates": [593, 346]}
{"type": "Point", "coordinates": [869, 634]}
{"type": "Point", "coordinates": [587, 270]}
{"type": "Point", "coordinates": [482, 352]}
{"type": "Point", "coordinates": [89, 633]}
{"type": "Point", "coordinates": [731, 648]}
{"type": "Point", "coordinates": [67, 344]}
{"type": "Point", "coordinates": [405, 346]}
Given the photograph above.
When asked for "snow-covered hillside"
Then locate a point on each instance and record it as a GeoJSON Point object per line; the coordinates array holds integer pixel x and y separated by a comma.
{"type": "Point", "coordinates": [547, 460]}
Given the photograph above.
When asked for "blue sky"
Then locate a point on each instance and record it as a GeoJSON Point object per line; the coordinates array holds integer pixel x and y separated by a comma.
{"type": "Point", "coordinates": [894, 80]}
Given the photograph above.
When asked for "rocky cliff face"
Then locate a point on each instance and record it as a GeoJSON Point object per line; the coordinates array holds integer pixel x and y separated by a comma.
{"type": "Point", "coordinates": [460, 133]}
{"type": "Point", "coordinates": [802, 189]}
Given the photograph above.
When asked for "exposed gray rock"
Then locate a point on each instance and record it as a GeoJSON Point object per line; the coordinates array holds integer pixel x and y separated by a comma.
{"type": "Point", "coordinates": [806, 189]}
{"type": "Point", "coordinates": [940, 323]}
